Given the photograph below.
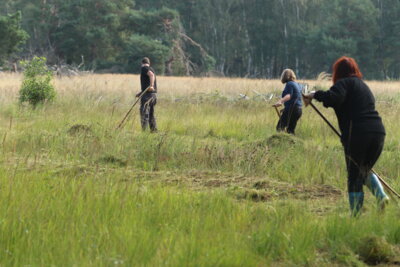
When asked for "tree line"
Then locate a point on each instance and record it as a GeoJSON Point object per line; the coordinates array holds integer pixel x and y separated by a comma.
{"type": "Point", "coordinates": [245, 38]}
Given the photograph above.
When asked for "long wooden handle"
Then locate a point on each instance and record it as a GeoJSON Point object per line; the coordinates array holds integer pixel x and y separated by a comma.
{"type": "Point", "coordinates": [277, 112]}
{"type": "Point", "coordinates": [129, 111]}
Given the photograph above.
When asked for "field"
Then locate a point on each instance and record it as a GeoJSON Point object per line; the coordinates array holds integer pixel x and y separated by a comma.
{"type": "Point", "coordinates": [216, 186]}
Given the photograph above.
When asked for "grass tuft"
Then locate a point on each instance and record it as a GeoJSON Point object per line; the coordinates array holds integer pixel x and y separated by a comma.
{"type": "Point", "coordinates": [375, 250]}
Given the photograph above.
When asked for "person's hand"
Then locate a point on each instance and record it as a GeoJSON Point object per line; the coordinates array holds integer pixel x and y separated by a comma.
{"type": "Point", "coordinates": [151, 89]}
{"type": "Point", "coordinates": [277, 104]}
{"type": "Point", "coordinates": [308, 98]}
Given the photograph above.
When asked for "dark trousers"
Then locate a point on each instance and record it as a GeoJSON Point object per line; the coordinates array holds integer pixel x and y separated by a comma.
{"type": "Point", "coordinates": [361, 151]}
{"type": "Point", "coordinates": [289, 118]}
{"type": "Point", "coordinates": [147, 116]}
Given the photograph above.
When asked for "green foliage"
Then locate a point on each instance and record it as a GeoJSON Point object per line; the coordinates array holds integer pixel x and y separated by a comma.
{"type": "Point", "coordinates": [12, 36]}
{"type": "Point", "coordinates": [252, 38]}
{"type": "Point", "coordinates": [36, 87]}
{"type": "Point", "coordinates": [139, 45]}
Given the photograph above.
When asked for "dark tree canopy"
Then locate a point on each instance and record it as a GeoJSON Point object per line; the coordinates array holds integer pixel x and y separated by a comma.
{"type": "Point", "coordinates": [12, 36]}
{"type": "Point", "coordinates": [247, 38]}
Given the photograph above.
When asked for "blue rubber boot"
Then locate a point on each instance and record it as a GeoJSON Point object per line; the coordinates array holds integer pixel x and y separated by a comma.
{"type": "Point", "coordinates": [356, 201]}
{"type": "Point", "coordinates": [373, 184]}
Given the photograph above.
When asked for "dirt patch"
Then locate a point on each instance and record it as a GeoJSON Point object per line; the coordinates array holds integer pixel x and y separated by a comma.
{"type": "Point", "coordinates": [255, 195]}
{"type": "Point", "coordinates": [79, 129]}
{"type": "Point", "coordinates": [111, 159]}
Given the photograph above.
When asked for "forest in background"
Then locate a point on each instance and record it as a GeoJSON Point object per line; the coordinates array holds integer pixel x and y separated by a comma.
{"type": "Point", "coordinates": [252, 38]}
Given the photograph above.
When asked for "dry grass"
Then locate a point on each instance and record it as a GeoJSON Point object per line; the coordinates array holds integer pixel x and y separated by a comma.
{"type": "Point", "coordinates": [124, 86]}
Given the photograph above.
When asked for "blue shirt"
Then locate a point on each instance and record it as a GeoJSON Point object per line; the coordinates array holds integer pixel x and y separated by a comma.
{"type": "Point", "coordinates": [294, 90]}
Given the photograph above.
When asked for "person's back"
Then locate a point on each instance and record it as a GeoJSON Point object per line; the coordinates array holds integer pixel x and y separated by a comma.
{"type": "Point", "coordinates": [145, 79]}
{"type": "Point", "coordinates": [354, 105]}
{"type": "Point", "coordinates": [294, 89]}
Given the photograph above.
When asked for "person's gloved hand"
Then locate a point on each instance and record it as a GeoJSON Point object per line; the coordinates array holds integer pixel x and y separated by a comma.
{"type": "Point", "coordinates": [277, 104]}
{"type": "Point", "coordinates": [308, 98]}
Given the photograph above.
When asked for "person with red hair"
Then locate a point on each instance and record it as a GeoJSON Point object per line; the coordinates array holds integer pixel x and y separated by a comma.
{"type": "Point", "coordinates": [362, 130]}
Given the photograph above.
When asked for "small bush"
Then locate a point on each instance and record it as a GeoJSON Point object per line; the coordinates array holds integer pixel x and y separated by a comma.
{"type": "Point", "coordinates": [36, 86]}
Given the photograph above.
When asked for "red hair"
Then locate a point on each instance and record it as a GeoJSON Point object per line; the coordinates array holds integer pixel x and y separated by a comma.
{"type": "Point", "coordinates": [345, 67]}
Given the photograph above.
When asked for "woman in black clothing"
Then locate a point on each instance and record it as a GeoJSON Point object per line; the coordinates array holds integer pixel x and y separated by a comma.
{"type": "Point", "coordinates": [362, 131]}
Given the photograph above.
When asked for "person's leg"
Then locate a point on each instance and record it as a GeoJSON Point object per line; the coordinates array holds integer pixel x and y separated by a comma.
{"type": "Point", "coordinates": [144, 114]}
{"type": "Point", "coordinates": [355, 189]}
{"type": "Point", "coordinates": [372, 181]}
{"type": "Point", "coordinates": [294, 116]}
{"type": "Point", "coordinates": [152, 118]}
{"type": "Point", "coordinates": [282, 123]}
{"type": "Point", "coordinates": [355, 152]}
{"type": "Point", "coordinates": [376, 188]}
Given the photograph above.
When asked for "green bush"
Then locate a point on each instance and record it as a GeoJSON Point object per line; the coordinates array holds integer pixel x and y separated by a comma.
{"type": "Point", "coordinates": [36, 86]}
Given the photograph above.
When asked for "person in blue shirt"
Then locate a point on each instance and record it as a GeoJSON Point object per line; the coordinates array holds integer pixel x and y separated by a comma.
{"type": "Point", "coordinates": [291, 99]}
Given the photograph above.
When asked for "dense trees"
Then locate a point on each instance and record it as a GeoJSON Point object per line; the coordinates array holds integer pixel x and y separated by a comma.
{"type": "Point", "coordinates": [11, 35]}
{"type": "Point", "coordinates": [260, 37]}
{"type": "Point", "coordinates": [253, 38]}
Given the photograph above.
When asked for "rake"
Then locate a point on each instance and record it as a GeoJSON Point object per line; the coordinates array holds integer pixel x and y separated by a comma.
{"type": "Point", "coordinates": [130, 110]}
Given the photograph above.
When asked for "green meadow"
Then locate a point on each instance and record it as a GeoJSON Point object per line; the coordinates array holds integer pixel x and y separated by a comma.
{"type": "Point", "coordinates": [216, 186]}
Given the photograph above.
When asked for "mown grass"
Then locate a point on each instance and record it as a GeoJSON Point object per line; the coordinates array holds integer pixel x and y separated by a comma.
{"type": "Point", "coordinates": [207, 190]}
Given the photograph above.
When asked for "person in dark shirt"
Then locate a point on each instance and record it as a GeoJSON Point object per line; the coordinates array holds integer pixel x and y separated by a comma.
{"type": "Point", "coordinates": [291, 99]}
{"type": "Point", "coordinates": [362, 130]}
{"type": "Point", "coordinates": [149, 98]}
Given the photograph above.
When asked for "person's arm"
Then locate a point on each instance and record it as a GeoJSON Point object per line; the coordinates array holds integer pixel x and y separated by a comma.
{"type": "Point", "coordinates": [287, 95]}
{"type": "Point", "coordinates": [152, 79]}
{"type": "Point", "coordinates": [334, 97]}
{"type": "Point", "coordinates": [282, 100]}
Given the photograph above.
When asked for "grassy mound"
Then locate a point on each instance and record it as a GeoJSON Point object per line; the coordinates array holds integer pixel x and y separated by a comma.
{"type": "Point", "coordinates": [375, 250]}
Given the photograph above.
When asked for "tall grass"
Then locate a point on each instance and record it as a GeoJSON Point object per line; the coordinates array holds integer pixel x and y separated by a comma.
{"type": "Point", "coordinates": [75, 191]}
{"type": "Point", "coordinates": [105, 219]}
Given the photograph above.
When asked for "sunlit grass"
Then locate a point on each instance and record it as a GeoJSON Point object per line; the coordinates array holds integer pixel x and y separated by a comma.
{"type": "Point", "coordinates": [215, 187]}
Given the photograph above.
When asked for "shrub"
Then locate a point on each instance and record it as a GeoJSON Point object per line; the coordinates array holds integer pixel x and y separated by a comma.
{"type": "Point", "coordinates": [36, 86]}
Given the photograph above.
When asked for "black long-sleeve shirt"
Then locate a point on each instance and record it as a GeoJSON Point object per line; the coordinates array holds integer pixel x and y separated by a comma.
{"type": "Point", "coordinates": [354, 105]}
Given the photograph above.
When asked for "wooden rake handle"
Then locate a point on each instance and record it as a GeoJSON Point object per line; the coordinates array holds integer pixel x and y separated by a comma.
{"type": "Point", "coordinates": [277, 112]}
{"type": "Point", "coordinates": [130, 110]}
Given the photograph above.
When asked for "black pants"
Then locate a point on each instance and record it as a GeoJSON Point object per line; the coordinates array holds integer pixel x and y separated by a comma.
{"type": "Point", "coordinates": [361, 151]}
{"type": "Point", "coordinates": [147, 116]}
{"type": "Point", "coordinates": [289, 119]}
